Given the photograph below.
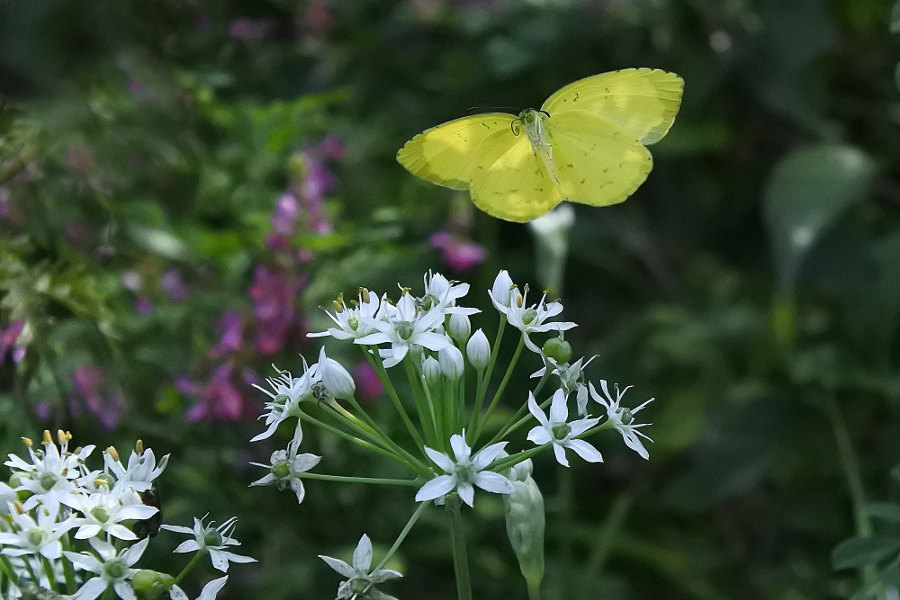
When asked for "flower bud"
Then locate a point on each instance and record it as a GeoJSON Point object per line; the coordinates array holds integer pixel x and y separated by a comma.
{"type": "Point", "coordinates": [151, 584]}
{"type": "Point", "coordinates": [459, 328]}
{"type": "Point", "coordinates": [500, 291]}
{"type": "Point", "coordinates": [336, 378]}
{"type": "Point", "coordinates": [479, 350]}
{"type": "Point", "coordinates": [451, 361]}
{"type": "Point", "coordinates": [525, 528]}
{"type": "Point", "coordinates": [431, 369]}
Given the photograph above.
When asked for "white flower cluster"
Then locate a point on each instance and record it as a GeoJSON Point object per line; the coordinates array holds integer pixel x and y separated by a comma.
{"type": "Point", "coordinates": [75, 532]}
{"type": "Point", "coordinates": [449, 373]}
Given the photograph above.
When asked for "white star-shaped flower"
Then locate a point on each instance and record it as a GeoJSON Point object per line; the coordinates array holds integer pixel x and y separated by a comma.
{"type": "Point", "coordinates": [284, 468]}
{"type": "Point", "coordinates": [360, 582]}
{"type": "Point", "coordinates": [464, 471]}
{"type": "Point", "coordinates": [214, 540]}
{"type": "Point", "coordinates": [623, 418]}
{"type": "Point", "coordinates": [405, 326]}
{"type": "Point", "coordinates": [561, 434]}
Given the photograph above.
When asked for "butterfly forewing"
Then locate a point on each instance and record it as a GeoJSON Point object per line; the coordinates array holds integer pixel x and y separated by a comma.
{"type": "Point", "coordinates": [593, 160]}
{"type": "Point", "coordinates": [514, 183]}
{"type": "Point", "coordinates": [448, 154]}
{"type": "Point", "coordinates": [642, 102]}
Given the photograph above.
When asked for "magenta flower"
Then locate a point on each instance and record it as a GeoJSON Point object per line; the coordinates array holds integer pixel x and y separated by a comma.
{"type": "Point", "coordinates": [219, 400]}
{"type": "Point", "coordinates": [92, 394]}
{"type": "Point", "coordinates": [231, 340]}
{"type": "Point", "coordinates": [8, 339]}
{"type": "Point", "coordinates": [368, 386]}
{"type": "Point", "coordinates": [287, 208]}
{"type": "Point", "coordinates": [274, 295]}
{"type": "Point", "coordinates": [460, 255]}
{"type": "Point", "coordinates": [173, 285]}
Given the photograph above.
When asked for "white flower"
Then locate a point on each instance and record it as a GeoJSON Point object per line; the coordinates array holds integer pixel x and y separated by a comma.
{"type": "Point", "coordinates": [105, 510]}
{"type": "Point", "coordinates": [285, 464]}
{"type": "Point", "coordinates": [211, 539]}
{"type": "Point", "coordinates": [463, 471]}
{"type": "Point", "coordinates": [404, 327]}
{"type": "Point", "coordinates": [351, 323]}
{"type": "Point", "coordinates": [209, 591]}
{"type": "Point", "coordinates": [561, 434]}
{"type": "Point", "coordinates": [336, 379]}
{"type": "Point", "coordinates": [287, 394]}
{"type": "Point", "coordinates": [360, 582]}
{"type": "Point", "coordinates": [52, 472]}
{"type": "Point", "coordinates": [529, 319]}
{"type": "Point", "coordinates": [623, 418]}
{"type": "Point", "coordinates": [571, 378]}
{"type": "Point", "coordinates": [442, 294]}
{"type": "Point", "coordinates": [478, 349]}
{"type": "Point", "coordinates": [501, 291]}
{"type": "Point", "coordinates": [113, 569]}
{"type": "Point", "coordinates": [141, 471]}
{"type": "Point", "coordinates": [34, 537]}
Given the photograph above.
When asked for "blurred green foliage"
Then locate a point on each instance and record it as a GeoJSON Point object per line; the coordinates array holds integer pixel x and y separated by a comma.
{"type": "Point", "coordinates": [751, 285]}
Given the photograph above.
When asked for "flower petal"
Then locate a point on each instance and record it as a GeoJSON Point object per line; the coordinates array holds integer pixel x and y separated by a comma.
{"type": "Point", "coordinates": [435, 488]}
{"type": "Point", "coordinates": [585, 450]}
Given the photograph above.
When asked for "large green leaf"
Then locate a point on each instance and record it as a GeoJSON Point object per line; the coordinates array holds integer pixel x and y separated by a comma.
{"type": "Point", "coordinates": [863, 551]}
{"type": "Point", "coordinates": [807, 192]}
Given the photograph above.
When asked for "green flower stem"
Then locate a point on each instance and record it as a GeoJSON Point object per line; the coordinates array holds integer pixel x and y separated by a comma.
{"type": "Point", "coordinates": [395, 399]}
{"type": "Point", "coordinates": [422, 398]}
{"type": "Point", "coordinates": [520, 418]}
{"type": "Point", "coordinates": [420, 468]}
{"type": "Point", "coordinates": [409, 525]}
{"type": "Point", "coordinates": [348, 479]}
{"type": "Point", "coordinates": [51, 576]}
{"type": "Point", "coordinates": [31, 572]}
{"type": "Point", "coordinates": [187, 568]}
{"type": "Point", "coordinates": [500, 388]}
{"type": "Point", "coordinates": [460, 558]}
{"type": "Point", "coordinates": [6, 568]}
{"type": "Point", "coordinates": [108, 594]}
{"type": "Point", "coordinates": [481, 390]}
{"type": "Point", "coordinates": [374, 433]}
{"type": "Point", "coordinates": [504, 463]}
{"type": "Point", "coordinates": [68, 568]}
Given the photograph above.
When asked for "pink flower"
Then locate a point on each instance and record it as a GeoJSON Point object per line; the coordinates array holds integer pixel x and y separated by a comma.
{"type": "Point", "coordinates": [231, 340]}
{"type": "Point", "coordinates": [92, 393]}
{"type": "Point", "coordinates": [218, 400]}
{"type": "Point", "coordinates": [8, 339]}
{"type": "Point", "coordinates": [274, 295]}
{"type": "Point", "coordinates": [460, 255]}
{"type": "Point", "coordinates": [285, 214]}
{"type": "Point", "coordinates": [368, 386]}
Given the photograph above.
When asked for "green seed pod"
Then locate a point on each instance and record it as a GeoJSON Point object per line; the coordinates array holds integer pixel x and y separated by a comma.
{"type": "Point", "coordinates": [525, 528]}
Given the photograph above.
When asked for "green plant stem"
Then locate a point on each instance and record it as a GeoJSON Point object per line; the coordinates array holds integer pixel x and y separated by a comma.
{"type": "Point", "coordinates": [460, 558]}
{"type": "Point", "coordinates": [187, 568]}
{"type": "Point", "coordinates": [500, 388]}
{"type": "Point", "coordinates": [350, 479]}
{"type": "Point", "coordinates": [422, 398]}
{"type": "Point", "coordinates": [68, 569]}
{"type": "Point", "coordinates": [409, 525]}
{"type": "Point", "coordinates": [51, 576]}
{"type": "Point", "coordinates": [395, 399]}
{"type": "Point", "coordinates": [483, 381]}
{"type": "Point", "coordinates": [419, 468]}
{"type": "Point", "coordinates": [375, 435]}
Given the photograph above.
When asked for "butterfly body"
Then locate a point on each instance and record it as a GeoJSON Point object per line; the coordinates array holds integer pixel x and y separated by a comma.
{"type": "Point", "coordinates": [585, 144]}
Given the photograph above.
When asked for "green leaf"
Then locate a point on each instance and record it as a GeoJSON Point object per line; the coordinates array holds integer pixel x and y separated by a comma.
{"type": "Point", "coordinates": [895, 18]}
{"type": "Point", "coordinates": [807, 192]}
{"type": "Point", "coordinates": [895, 472]}
{"type": "Point", "coordinates": [860, 552]}
{"type": "Point", "coordinates": [884, 510]}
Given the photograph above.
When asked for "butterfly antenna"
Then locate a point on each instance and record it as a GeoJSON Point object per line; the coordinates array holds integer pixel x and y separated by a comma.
{"type": "Point", "coordinates": [477, 109]}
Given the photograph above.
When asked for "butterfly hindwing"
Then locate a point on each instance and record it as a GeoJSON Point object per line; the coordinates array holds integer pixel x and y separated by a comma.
{"type": "Point", "coordinates": [642, 102]}
{"type": "Point", "coordinates": [595, 162]}
{"type": "Point", "coordinates": [448, 153]}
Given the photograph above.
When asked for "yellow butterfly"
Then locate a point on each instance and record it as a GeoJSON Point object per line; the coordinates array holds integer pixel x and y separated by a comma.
{"type": "Point", "coordinates": [586, 144]}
